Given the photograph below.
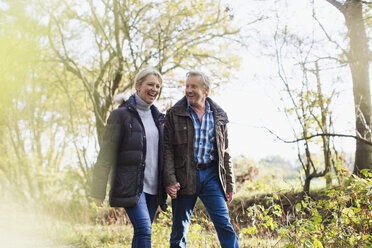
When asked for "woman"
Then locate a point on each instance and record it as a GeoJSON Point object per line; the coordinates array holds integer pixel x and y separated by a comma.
{"type": "Point", "coordinates": [132, 145]}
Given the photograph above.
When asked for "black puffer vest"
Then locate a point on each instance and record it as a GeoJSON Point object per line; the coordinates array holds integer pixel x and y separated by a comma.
{"type": "Point", "coordinates": [124, 149]}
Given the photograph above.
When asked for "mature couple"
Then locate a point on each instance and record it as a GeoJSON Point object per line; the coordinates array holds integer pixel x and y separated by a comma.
{"type": "Point", "coordinates": [185, 156]}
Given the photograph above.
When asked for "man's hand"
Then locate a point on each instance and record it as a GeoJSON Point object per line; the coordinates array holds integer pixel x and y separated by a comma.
{"type": "Point", "coordinates": [172, 190]}
{"type": "Point", "coordinates": [229, 196]}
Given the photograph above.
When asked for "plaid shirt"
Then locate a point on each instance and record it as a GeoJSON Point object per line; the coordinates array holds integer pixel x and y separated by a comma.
{"type": "Point", "coordinates": [204, 135]}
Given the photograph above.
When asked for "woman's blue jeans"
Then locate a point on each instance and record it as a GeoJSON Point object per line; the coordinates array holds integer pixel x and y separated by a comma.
{"type": "Point", "coordinates": [142, 217]}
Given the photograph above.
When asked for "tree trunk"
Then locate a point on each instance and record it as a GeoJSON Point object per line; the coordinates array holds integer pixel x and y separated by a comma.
{"type": "Point", "coordinates": [358, 57]}
{"type": "Point", "coordinates": [307, 185]}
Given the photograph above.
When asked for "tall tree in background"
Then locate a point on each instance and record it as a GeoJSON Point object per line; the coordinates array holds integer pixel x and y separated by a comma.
{"type": "Point", "coordinates": [104, 43]}
{"type": "Point", "coordinates": [63, 61]}
{"type": "Point", "coordinates": [358, 58]}
{"type": "Point", "coordinates": [33, 131]}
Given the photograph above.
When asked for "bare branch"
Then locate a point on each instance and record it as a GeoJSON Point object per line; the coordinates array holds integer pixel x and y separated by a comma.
{"type": "Point", "coordinates": [327, 35]}
{"type": "Point", "coordinates": [320, 135]}
{"type": "Point", "coordinates": [338, 5]}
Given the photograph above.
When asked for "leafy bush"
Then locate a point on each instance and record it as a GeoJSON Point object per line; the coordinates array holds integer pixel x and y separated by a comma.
{"type": "Point", "coordinates": [342, 219]}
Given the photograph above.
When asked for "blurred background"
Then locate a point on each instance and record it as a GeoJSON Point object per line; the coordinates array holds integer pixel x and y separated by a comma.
{"type": "Point", "coordinates": [293, 77]}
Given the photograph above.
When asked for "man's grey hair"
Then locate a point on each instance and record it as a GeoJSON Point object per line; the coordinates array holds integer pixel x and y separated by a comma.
{"type": "Point", "coordinates": [142, 74]}
{"type": "Point", "coordinates": [205, 79]}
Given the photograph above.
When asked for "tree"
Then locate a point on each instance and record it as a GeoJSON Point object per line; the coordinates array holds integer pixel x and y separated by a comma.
{"type": "Point", "coordinates": [305, 101]}
{"type": "Point", "coordinates": [32, 129]}
{"type": "Point", "coordinates": [120, 37]}
{"type": "Point", "coordinates": [358, 58]}
{"type": "Point", "coordinates": [102, 44]}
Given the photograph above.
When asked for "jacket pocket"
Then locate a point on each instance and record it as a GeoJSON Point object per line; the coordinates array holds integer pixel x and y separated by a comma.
{"type": "Point", "coordinates": [180, 146]}
{"type": "Point", "coordinates": [180, 136]}
{"type": "Point", "coordinates": [125, 182]}
{"type": "Point", "coordinates": [180, 132]}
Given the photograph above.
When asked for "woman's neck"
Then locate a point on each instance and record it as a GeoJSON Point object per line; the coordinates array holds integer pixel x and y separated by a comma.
{"type": "Point", "coordinates": [141, 104]}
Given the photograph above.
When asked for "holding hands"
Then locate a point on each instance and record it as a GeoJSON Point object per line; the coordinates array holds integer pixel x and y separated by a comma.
{"type": "Point", "coordinates": [172, 190]}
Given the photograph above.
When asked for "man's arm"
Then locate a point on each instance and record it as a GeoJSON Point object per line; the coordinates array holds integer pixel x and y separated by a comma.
{"type": "Point", "coordinates": [230, 179]}
{"type": "Point", "coordinates": [169, 175]}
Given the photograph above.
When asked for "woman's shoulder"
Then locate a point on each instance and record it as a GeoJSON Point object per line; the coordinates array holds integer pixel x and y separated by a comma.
{"type": "Point", "coordinates": [121, 114]}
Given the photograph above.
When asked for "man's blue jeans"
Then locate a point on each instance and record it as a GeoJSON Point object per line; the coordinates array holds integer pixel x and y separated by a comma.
{"type": "Point", "coordinates": [142, 217]}
{"type": "Point", "coordinates": [209, 190]}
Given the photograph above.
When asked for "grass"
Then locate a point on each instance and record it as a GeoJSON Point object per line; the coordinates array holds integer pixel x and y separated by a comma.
{"type": "Point", "coordinates": [85, 226]}
{"type": "Point", "coordinates": [201, 234]}
{"type": "Point", "coordinates": [27, 227]}
{"type": "Point", "coordinates": [21, 227]}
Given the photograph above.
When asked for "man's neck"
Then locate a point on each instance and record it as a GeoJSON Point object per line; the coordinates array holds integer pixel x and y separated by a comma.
{"type": "Point", "coordinates": [200, 108]}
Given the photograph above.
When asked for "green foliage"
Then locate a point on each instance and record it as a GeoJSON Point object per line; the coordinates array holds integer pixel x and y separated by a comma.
{"type": "Point", "coordinates": [101, 236]}
{"type": "Point", "coordinates": [31, 126]}
{"type": "Point", "coordinates": [343, 219]}
{"type": "Point", "coordinates": [53, 92]}
{"type": "Point", "coordinates": [119, 235]}
{"type": "Point", "coordinates": [269, 175]}
{"type": "Point", "coordinates": [129, 35]}
{"type": "Point", "coordinates": [61, 64]}
{"type": "Point", "coordinates": [264, 222]}
{"type": "Point", "coordinates": [199, 232]}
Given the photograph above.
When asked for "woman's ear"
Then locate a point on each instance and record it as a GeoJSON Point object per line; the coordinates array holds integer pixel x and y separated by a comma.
{"type": "Point", "coordinates": [138, 87]}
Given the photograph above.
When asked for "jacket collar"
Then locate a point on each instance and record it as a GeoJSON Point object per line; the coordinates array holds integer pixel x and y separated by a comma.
{"type": "Point", "coordinates": [219, 114]}
{"type": "Point", "coordinates": [131, 103]}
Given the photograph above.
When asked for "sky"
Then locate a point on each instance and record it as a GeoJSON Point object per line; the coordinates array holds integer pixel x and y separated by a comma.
{"type": "Point", "coordinates": [251, 99]}
{"type": "Point", "coordinates": [253, 108]}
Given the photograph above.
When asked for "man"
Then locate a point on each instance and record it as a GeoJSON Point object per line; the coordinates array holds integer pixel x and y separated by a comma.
{"type": "Point", "coordinates": [197, 161]}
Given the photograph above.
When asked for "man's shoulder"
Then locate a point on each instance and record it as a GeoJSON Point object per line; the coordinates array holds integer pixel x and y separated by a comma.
{"type": "Point", "coordinates": [219, 113]}
{"type": "Point", "coordinates": [215, 106]}
{"type": "Point", "coordinates": [180, 105]}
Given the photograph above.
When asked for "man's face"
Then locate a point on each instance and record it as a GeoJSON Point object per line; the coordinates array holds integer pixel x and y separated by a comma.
{"type": "Point", "coordinates": [195, 93]}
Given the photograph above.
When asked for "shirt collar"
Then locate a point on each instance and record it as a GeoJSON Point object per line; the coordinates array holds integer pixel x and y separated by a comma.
{"type": "Point", "coordinates": [207, 107]}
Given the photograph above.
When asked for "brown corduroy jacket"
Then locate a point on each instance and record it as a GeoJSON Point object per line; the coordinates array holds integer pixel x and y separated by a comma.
{"type": "Point", "coordinates": [179, 136]}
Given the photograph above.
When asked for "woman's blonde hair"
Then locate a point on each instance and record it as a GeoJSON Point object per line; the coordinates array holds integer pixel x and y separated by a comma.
{"type": "Point", "coordinates": [142, 74]}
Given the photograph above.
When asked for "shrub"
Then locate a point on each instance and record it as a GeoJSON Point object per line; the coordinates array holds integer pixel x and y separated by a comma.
{"type": "Point", "coordinates": [342, 219]}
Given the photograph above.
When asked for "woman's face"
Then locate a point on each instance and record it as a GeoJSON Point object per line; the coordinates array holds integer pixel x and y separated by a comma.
{"type": "Point", "coordinates": [149, 89]}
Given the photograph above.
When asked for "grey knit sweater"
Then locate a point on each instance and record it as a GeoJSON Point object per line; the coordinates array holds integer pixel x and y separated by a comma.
{"type": "Point", "coordinates": [150, 182]}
